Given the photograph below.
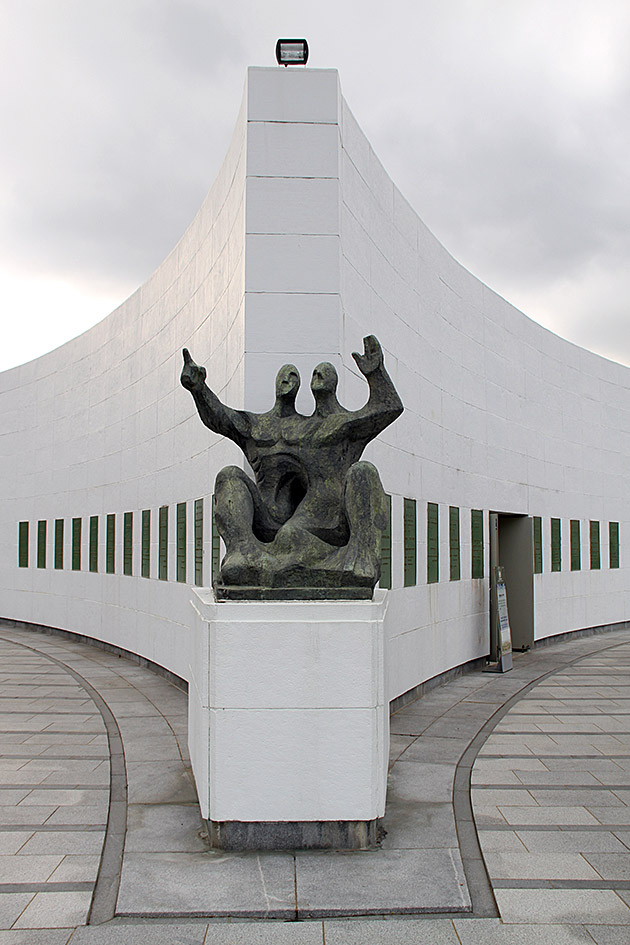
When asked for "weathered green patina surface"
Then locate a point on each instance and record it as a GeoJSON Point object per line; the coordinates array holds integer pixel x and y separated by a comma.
{"type": "Point", "coordinates": [310, 524]}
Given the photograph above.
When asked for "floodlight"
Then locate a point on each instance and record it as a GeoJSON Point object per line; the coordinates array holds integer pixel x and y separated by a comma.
{"type": "Point", "coordinates": [292, 52]}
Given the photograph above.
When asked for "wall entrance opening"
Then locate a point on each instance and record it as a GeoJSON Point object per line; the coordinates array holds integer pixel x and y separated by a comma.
{"type": "Point", "coordinates": [512, 547]}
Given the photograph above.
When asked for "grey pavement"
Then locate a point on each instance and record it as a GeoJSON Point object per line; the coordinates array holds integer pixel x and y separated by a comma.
{"type": "Point", "coordinates": [101, 839]}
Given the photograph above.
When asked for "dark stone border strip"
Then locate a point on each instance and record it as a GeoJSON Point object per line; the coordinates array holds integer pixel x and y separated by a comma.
{"type": "Point", "coordinates": [480, 887]}
{"type": "Point", "coordinates": [509, 756]}
{"type": "Point", "coordinates": [103, 905]}
{"type": "Point", "coordinates": [43, 757]}
{"type": "Point", "coordinates": [59, 787]}
{"type": "Point", "coordinates": [30, 712]}
{"type": "Point", "coordinates": [550, 731]}
{"type": "Point", "coordinates": [45, 887]}
{"type": "Point", "coordinates": [570, 828]}
{"type": "Point", "coordinates": [562, 884]}
{"type": "Point", "coordinates": [30, 731]}
{"type": "Point", "coordinates": [52, 828]}
{"type": "Point", "coordinates": [550, 787]}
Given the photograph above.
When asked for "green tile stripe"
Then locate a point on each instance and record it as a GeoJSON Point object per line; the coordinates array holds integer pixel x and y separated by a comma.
{"type": "Point", "coordinates": [453, 543]}
{"type": "Point", "coordinates": [93, 559]}
{"type": "Point", "coordinates": [41, 544]}
{"type": "Point", "coordinates": [23, 545]}
{"type": "Point", "coordinates": [410, 542]}
{"type": "Point", "coordinates": [76, 544]}
{"type": "Point", "coordinates": [613, 544]}
{"type": "Point", "coordinates": [181, 542]}
{"type": "Point", "coordinates": [146, 543]}
{"type": "Point", "coordinates": [59, 544]}
{"type": "Point", "coordinates": [199, 542]}
{"type": "Point", "coordinates": [128, 543]}
{"type": "Point", "coordinates": [576, 551]}
{"type": "Point", "coordinates": [216, 547]}
{"type": "Point", "coordinates": [433, 548]}
{"type": "Point", "coordinates": [110, 544]}
{"type": "Point", "coordinates": [595, 549]}
{"type": "Point", "coordinates": [163, 543]}
{"type": "Point", "coordinates": [476, 538]}
{"type": "Point", "coordinates": [385, 579]}
{"type": "Point", "coordinates": [538, 546]}
{"type": "Point", "coordinates": [556, 545]}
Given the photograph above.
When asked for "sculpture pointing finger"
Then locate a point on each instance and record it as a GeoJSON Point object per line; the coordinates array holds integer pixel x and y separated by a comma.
{"type": "Point", "coordinates": [310, 524]}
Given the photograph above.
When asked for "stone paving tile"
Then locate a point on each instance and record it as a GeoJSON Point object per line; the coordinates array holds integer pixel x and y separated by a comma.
{"type": "Point", "coordinates": [551, 815]}
{"type": "Point", "coordinates": [566, 778]}
{"type": "Point", "coordinates": [12, 841]}
{"type": "Point", "coordinates": [622, 835]}
{"type": "Point", "coordinates": [606, 934]}
{"type": "Point", "coordinates": [546, 865]}
{"type": "Point", "coordinates": [440, 750]}
{"type": "Point", "coordinates": [166, 933]}
{"type": "Point", "coordinates": [502, 798]}
{"type": "Point", "coordinates": [12, 797]}
{"type": "Point", "coordinates": [488, 817]}
{"type": "Point", "coordinates": [28, 869]}
{"type": "Point", "coordinates": [55, 910]}
{"type": "Point", "coordinates": [602, 768]}
{"type": "Point", "coordinates": [413, 781]}
{"type": "Point", "coordinates": [12, 905]}
{"type": "Point", "coordinates": [212, 883]}
{"type": "Point", "coordinates": [65, 798]}
{"type": "Point", "coordinates": [157, 782]}
{"type": "Point", "coordinates": [494, 932]}
{"type": "Point", "coordinates": [419, 826]}
{"type": "Point", "coordinates": [26, 815]}
{"type": "Point", "coordinates": [508, 841]}
{"type": "Point", "coordinates": [417, 880]}
{"type": "Point", "coordinates": [148, 749]}
{"type": "Point", "coordinates": [575, 798]}
{"type": "Point", "coordinates": [400, 931]}
{"type": "Point", "coordinates": [562, 906]}
{"type": "Point", "coordinates": [611, 815]}
{"type": "Point", "coordinates": [53, 841]}
{"type": "Point", "coordinates": [77, 868]}
{"type": "Point", "coordinates": [570, 841]}
{"type": "Point", "coordinates": [610, 865]}
{"type": "Point", "coordinates": [36, 937]}
{"type": "Point", "coordinates": [153, 828]}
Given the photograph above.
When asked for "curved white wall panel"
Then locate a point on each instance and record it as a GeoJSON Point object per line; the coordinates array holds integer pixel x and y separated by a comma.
{"type": "Point", "coordinates": [301, 248]}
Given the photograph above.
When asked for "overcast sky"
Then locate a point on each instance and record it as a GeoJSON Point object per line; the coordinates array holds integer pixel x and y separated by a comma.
{"type": "Point", "coordinates": [505, 123]}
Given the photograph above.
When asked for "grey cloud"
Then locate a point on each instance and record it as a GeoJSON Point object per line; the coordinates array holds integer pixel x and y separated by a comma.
{"type": "Point", "coordinates": [505, 125]}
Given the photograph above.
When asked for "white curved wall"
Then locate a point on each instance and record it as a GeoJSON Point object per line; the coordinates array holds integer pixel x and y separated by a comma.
{"type": "Point", "coordinates": [301, 248]}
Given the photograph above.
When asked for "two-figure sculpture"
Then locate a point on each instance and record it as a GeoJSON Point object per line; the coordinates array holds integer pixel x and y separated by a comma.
{"type": "Point", "coordinates": [310, 524]}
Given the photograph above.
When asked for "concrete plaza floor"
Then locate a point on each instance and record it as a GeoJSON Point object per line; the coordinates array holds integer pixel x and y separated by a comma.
{"type": "Point", "coordinates": [101, 841]}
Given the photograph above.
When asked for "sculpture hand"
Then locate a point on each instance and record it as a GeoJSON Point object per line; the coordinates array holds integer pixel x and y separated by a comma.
{"type": "Point", "coordinates": [193, 376]}
{"type": "Point", "coordinates": [372, 358]}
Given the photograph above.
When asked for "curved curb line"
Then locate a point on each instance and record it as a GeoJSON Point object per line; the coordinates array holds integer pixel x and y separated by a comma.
{"type": "Point", "coordinates": [480, 887]}
{"type": "Point", "coordinates": [103, 905]}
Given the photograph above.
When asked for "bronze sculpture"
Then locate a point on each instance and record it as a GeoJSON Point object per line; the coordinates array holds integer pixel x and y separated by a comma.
{"type": "Point", "coordinates": [310, 525]}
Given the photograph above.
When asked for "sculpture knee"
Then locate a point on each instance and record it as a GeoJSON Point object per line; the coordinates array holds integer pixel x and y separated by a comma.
{"type": "Point", "coordinates": [233, 498]}
{"type": "Point", "coordinates": [227, 476]}
{"type": "Point", "coordinates": [364, 495]}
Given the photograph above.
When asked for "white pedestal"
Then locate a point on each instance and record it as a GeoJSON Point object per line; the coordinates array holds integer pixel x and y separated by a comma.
{"type": "Point", "coordinates": [288, 721]}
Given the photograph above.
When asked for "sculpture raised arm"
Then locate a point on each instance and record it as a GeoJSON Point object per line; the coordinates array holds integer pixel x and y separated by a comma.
{"type": "Point", "coordinates": [384, 404]}
{"type": "Point", "coordinates": [217, 416]}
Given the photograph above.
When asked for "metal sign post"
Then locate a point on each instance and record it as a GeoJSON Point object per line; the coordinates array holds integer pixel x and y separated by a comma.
{"type": "Point", "coordinates": [503, 634]}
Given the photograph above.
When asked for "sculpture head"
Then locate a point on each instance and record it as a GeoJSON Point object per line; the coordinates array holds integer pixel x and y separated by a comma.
{"type": "Point", "coordinates": [324, 379]}
{"type": "Point", "coordinates": [287, 382]}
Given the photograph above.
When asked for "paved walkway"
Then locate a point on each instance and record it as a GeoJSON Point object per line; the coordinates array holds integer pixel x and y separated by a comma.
{"type": "Point", "coordinates": [89, 740]}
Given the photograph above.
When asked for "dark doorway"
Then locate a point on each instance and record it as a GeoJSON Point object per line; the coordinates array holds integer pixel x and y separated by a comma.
{"type": "Point", "coordinates": [512, 547]}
